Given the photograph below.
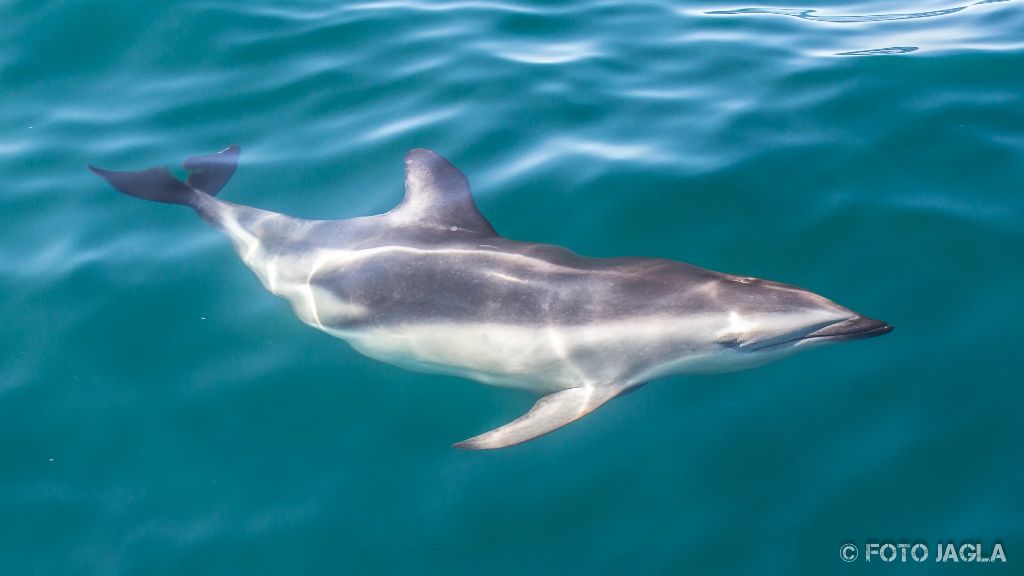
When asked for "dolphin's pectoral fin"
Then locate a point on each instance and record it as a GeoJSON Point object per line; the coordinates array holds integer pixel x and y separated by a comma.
{"type": "Point", "coordinates": [437, 194]}
{"type": "Point", "coordinates": [549, 413]}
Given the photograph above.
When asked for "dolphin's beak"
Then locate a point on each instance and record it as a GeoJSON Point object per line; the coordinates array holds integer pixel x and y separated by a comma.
{"type": "Point", "coordinates": [852, 329]}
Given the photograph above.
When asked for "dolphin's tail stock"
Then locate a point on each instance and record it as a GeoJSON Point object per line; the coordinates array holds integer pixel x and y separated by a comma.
{"type": "Point", "coordinates": [206, 176]}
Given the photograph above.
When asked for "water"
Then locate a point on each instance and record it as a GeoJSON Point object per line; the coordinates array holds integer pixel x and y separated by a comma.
{"type": "Point", "coordinates": [161, 414]}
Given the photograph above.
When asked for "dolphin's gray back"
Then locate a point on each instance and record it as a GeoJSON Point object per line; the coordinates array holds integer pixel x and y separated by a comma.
{"type": "Point", "coordinates": [501, 281]}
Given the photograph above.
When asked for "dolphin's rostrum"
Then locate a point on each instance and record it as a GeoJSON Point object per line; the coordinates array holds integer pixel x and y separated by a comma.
{"type": "Point", "coordinates": [431, 286]}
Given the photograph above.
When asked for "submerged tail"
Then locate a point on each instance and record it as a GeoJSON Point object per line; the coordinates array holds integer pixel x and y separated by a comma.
{"type": "Point", "coordinates": [206, 174]}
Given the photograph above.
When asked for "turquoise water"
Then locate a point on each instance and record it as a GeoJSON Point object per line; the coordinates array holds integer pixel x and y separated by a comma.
{"type": "Point", "coordinates": [160, 413]}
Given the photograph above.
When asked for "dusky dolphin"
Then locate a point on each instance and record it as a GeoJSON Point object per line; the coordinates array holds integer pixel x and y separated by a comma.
{"type": "Point", "coordinates": [430, 286]}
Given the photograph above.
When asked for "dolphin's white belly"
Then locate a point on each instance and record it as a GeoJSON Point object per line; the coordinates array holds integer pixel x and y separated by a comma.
{"type": "Point", "coordinates": [537, 358]}
{"type": "Point", "coordinates": [496, 354]}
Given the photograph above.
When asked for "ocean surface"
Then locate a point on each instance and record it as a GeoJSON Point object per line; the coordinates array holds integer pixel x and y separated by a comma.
{"type": "Point", "coordinates": [161, 413]}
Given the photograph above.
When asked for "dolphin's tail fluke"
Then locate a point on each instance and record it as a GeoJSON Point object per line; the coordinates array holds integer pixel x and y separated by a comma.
{"type": "Point", "coordinates": [206, 175]}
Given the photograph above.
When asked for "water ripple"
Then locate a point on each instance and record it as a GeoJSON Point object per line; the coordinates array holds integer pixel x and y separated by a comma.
{"type": "Point", "coordinates": [411, 123]}
{"type": "Point", "coordinates": [810, 14]}
{"type": "Point", "coordinates": [879, 51]}
{"type": "Point", "coordinates": [510, 7]}
{"type": "Point", "coordinates": [542, 53]}
{"type": "Point", "coordinates": [561, 149]}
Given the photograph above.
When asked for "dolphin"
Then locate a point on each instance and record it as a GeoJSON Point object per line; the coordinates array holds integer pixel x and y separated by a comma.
{"type": "Point", "coordinates": [431, 286]}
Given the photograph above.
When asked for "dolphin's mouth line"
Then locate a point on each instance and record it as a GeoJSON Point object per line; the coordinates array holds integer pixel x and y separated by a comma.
{"type": "Point", "coordinates": [855, 328]}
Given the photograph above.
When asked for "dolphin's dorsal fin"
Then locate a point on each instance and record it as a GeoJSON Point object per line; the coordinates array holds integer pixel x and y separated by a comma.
{"type": "Point", "coordinates": [549, 413]}
{"type": "Point", "coordinates": [437, 194]}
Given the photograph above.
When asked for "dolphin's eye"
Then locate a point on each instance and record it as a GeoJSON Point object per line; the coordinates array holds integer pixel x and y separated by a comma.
{"type": "Point", "coordinates": [746, 280]}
